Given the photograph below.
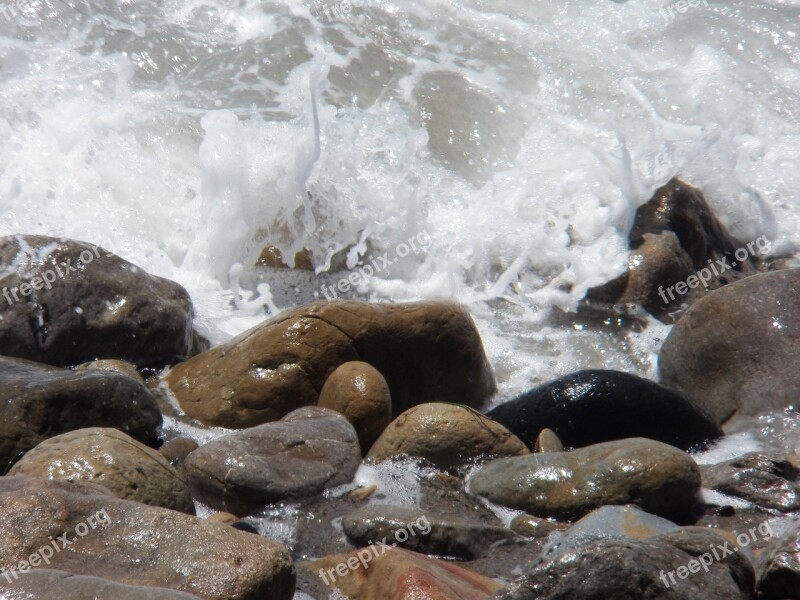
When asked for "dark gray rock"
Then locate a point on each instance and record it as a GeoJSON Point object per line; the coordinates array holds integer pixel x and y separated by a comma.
{"type": "Point", "coordinates": [567, 485]}
{"type": "Point", "coordinates": [735, 351]}
{"type": "Point", "coordinates": [307, 451]}
{"type": "Point", "coordinates": [67, 302]}
{"type": "Point", "coordinates": [779, 567]}
{"type": "Point", "coordinates": [595, 406]}
{"type": "Point", "coordinates": [756, 478]}
{"type": "Point", "coordinates": [39, 401]}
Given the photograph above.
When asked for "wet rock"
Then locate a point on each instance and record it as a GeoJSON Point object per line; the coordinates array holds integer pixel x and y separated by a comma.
{"type": "Point", "coordinates": [307, 451]}
{"type": "Point", "coordinates": [662, 566]}
{"type": "Point", "coordinates": [428, 351]}
{"type": "Point", "coordinates": [359, 392]}
{"type": "Point", "coordinates": [137, 544]}
{"type": "Point", "coordinates": [779, 567]}
{"type": "Point", "coordinates": [734, 352]}
{"type": "Point", "coordinates": [108, 457]}
{"type": "Point", "coordinates": [448, 435]}
{"type": "Point", "coordinates": [115, 366]}
{"type": "Point", "coordinates": [534, 527]}
{"type": "Point", "coordinates": [674, 236]}
{"type": "Point", "coordinates": [176, 450]}
{"type": "Point", "coordinates": [548, 441]}
{"type": "Point", "coordinates": [47, 583]}
{"type": "Point", "coordinates": [566, 485]}
{"type": "Point", "coordinates": [423, 531]}
{"type": "Point", "coordinates": [223, 517]}
{"type": "Point", "coordinates": [758, 479]}
{"type": "Point", "coordinates": [396, 574]}
{"type": "Point", "coordinates": [68, 302]}
{"type": "Point", "coordinates": [596, 405]}
{"type": "Point", "coordinates": [271, 257]}
{"type": "Point", "coordinates": [38, 401]}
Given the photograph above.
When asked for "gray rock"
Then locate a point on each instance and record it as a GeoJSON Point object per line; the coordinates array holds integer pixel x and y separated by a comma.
{"type": "Point", "coordinates": [307, 451]}
{"type": "Point", "coordinates": [566, 485]}
{"type": "Point", "coordinates": [735, 351]}
{"type": "Point", "coordinates": [136, 544]}
{"type": "Point", "coordinates": [758, 479]}
{"type": "Point", "coordinates": [779, 567]}
{"type": "Point", "coordinates": [46, 583]}
{"type": "Point", "coordinates": [84, 303]}
{"type": "Point", "coordinates": [38, 401]}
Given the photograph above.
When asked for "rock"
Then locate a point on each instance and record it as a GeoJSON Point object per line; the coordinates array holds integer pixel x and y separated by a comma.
{"type": "Point", "coordinates": [423, 531]}
{"type": "Point", "coordinates": [271, 257]}
{"type": "Point", "coordinates": [307, 451]}
{"type": "Point", "coordinates": [595, 406]}
{"type": "Point", "coordinates": [176, 450]}
{"type": "Point", "coordinates": [630, 569]}
{"type": "Point", "coordinates": [779, 567]}
{"type": "Point", "coordinates": [359, 392]}
{"type": "Point", "coordinates": [38, 401]}
{"type": "Point", "coordinates": [395, 574]}
{"type": "Point", "coordinates": [566, 485]}
{"type": "Point", "coordinates": [448, 435]}
{"type": "Point", "coordinates": [428, 351]}
{"type": "Point", "coordinates": [137, 544]}
{"type": "Point", "coordinates": [548, 441]}
{"type": "Point", "coordinates": [533, 527]}
{"type": "Point", "coordinates": [47, 583]}
{"type": "Point", "coordinates": [675, 235]}
{"type": "Point", "coordinates": [108, 457]}
{"type": "Point", "coordinates": [84, 303]}
{"type": "Point", "coordinates": [115, 366]}
{"type": "Point", "coordinates": [223, 517]}
{"type": "Point", "coordinates": [758, 479]}
{"type": "Point", "coordinates": [734, 352]}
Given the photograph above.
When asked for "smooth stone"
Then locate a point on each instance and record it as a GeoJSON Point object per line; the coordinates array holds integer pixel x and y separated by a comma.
{"type": "Point", "coordinates": [534, 527]}
{"type": "Point", "coordinates": [358, 391]}
{"type": "Point", "coordinates": [309, 450]}
{"type": "Point", "coordinates": [735, 351]}
{"type": "Point", "coordinates": [48, 584]}
{"type": "Point", "coordinates": [426, 351]}
{"type": "Point", "coordinates": [108, 457]}
{"type": "Point", "coordinates": [137, 544]}
{"type": "Point", "coordinates": [424, 531]}
{"type": "Point", "coordinates": [447, 435]}
{"type": "Point", "coordinates": [632, 569]}
{"type": "Point", "coordinates": [115, 366]}
{"type": "Point", "coordinates": [567, 485]}
{"type": "Point", "coordinates": [102, 307]}
{"type": "Point", "coordinates": [593, 406]}
{"type": "Point", "coordinates": [397, 574]}
{"type": "Point", "coordinates": [39, 401]}
{"type": "Point", "coordinates": [758, 479]}
{"type": "Point", "coordinates": [548, 441]}
{"type": "Point", "coordinates": [177, 449]}
{"type": "Point", "coordinates": [779, 567]}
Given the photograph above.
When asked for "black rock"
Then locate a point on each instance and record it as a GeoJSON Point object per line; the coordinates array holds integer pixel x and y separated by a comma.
{"type": "Point", "coordinates": [593, 406]}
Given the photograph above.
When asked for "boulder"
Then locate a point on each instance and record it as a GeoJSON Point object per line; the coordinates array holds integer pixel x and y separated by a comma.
{"type": "Point", "coordinates": [396, 574]}
{"type": "Point", "coordinates": [593, 406]}
{"type": "Point", "coordinates": [779, 567]}
{"type": "Point", "coordinates": [447, 435]}
{"type": "Point", "coordinates": [567, 485]}
{"type": "Point", "coordinates": [108, 457]}
{"type": "Point", "coordinates": [304, 453]}
{"type": "Point", "coordinates": [734, 351]}
{"type": "Point", "coordinates": [755, 478]}
{"type": "Point", "coordinates": [427, 351]}
{"type": "Point", "coordinates": [98, 535]}
{"type": "Point", "coordinates": [359, 392]}
{"type": "Point", "coordinates": [177, 449]}
{"type": "Point", "coordinates": [39, 401]}
{"type": "Point", "coordinates": [67, 302]}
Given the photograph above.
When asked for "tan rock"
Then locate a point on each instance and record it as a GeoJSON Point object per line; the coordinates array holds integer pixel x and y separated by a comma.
{"type": "Point", "coordinates": [548, 442]}
{"type": "Point", "coordinates": [446, 434]}
{"type": "Point", "coordinates": [115, 366]}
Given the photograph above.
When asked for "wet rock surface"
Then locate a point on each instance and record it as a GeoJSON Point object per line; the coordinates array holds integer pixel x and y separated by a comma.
{"type": "Point", "coordinates": [779, 567]}
{"type": "Point", "coordinates": [567, 485]}
{"type": "Point", "coordinates": [595, 406]}
{"type": "Point", "coordinates": [307, 451]}
{"type": "Point", "coordinates": [767, 483]}
{"type": "Point", "coordinates": [427, 352]}
{"type": "Point", "coordinates": [70, 302]}
{"type": "Point", "coordinates": [39, 401]}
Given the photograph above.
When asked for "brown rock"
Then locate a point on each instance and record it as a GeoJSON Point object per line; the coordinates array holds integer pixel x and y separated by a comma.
{"type": "Point", "coordinates": [757, 479]}
{"type": "Point", "coordinates": [137, 544]}
{"type": "Point", "coordinates": [448, 435]}
{"type": "Point", "coordinates": [359, 392]}
{"type": "Point", "coordinates": [396, 574]}
{"type": "Point", "coordinates": [108, 457]}
{"type": "Point", "coordinates": [271, 257]}
{"type": "Point", "coordinates": [548, 442]}
{"type": "Point", "coordinates": [176, 450]}
{"type": "Point", "coordinates": [428, 351]}
{"type": "Point", "coordinates": [534, 527]}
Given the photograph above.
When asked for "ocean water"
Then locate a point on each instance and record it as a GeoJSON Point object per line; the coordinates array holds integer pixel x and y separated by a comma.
{"type": "Point", "coordinates": [515, 137]}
